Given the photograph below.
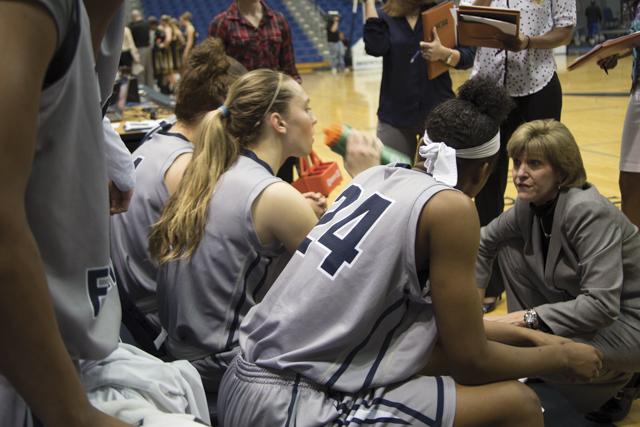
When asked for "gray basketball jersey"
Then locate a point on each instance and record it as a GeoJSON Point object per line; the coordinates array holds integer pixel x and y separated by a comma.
{"type": "Point", "coordinates": [130, 230]}
{"type": "Point", "coordinates": [203, 299]}
{"type": "Point", "coordinates": [349, 311]}
{"type": "Point", "coordinates": [67, 200]}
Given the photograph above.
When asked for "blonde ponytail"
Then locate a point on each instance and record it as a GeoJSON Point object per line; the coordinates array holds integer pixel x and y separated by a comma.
{"type": "Point", "coordinates": [179, 230]}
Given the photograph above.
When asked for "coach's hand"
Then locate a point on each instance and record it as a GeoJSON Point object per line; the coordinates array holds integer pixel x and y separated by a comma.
{"type": "Point", "coordinates": [609, 62]}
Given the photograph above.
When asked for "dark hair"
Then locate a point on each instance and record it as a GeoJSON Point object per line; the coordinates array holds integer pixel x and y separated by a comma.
{"type": "Point", "coordinates": [470, 119]}
{"type": "Point", "coordinates": [206, 78]}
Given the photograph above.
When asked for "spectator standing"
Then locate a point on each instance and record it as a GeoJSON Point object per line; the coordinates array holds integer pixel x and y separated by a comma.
{"type": "Point", "coordinates": [141, 37]}
{"type": "Point", "coordinates": [629, 178]}
{"type": "Point", "coordinates": [190, 35]}
{"type": "Point", "coordinates": [336, 48]}
{"type": "Point", "coordinates": [395, 33]}
{"type": "Point", "coordinates": [594, 17]}
{"type": "Point", "coordinates": [257, 36]}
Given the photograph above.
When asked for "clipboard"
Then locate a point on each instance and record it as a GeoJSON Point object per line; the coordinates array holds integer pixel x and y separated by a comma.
{"type": "Point", "coordinates": [442, 18]}
{"type": "Point", "coordinates": [607, 48]}
{"type": "Point", "coordinates": [482, 26]}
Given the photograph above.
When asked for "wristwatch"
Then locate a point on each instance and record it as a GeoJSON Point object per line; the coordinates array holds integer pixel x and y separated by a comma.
{"type": "Point", "coordinates": [531, 319]}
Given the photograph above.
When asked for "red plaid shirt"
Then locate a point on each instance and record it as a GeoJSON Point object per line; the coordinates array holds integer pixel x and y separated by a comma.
{"type": "Point", "coordinates": [268, 46]}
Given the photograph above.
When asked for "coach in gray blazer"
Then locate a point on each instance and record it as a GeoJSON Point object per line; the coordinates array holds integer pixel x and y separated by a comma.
{"type": "Point", "coordinates": [570, 259]}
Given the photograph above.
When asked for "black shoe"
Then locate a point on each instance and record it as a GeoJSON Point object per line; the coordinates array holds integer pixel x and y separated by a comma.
{"type": "Point", "coordinates": [489, 303]}
{"type": "Point", "coordinates": [615, 409]}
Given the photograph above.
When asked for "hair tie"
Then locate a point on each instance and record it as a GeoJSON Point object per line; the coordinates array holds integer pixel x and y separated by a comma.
{"type": "Point", "coordinates": [224, 111]}
{"type": "Point", "coordinates": [439, 161]}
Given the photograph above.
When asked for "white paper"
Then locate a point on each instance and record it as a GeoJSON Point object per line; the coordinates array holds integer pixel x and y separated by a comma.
{"type": "Point", "coordinates": [505, 27]}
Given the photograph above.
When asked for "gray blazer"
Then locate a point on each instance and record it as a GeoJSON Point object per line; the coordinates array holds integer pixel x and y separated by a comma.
{"type": "Point", "coordinates": [591, 277]}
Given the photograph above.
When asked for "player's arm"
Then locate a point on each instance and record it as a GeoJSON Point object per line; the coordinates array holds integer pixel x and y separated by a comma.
{"type": "Point", "coordinates": [174, 174]}
{"type": "Point", "coordinates": [282, 214]}
{"type": "Point", "coordinates": [450, 225]}
{"type": "Point", "coordinates": [100, 14]}
{"type": "Point", "coordinates": [29, 333]}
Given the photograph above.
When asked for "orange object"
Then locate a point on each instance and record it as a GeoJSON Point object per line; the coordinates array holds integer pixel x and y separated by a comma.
{"type": "Point", "coordinates": [316, 175]}
{"type": "Point", "coordinates": [335, 136]}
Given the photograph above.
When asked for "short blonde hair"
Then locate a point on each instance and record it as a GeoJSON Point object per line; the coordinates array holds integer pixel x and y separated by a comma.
{"type": "Point", "coordinates": [551, 140]}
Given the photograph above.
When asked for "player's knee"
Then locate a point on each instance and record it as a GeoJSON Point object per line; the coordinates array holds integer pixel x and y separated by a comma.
{"type": "Point", "coordinates": [524, 401]}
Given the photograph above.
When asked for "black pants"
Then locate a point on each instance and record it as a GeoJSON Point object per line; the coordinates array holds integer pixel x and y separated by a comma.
{"type": "Point", "coordinates": [544, 104]}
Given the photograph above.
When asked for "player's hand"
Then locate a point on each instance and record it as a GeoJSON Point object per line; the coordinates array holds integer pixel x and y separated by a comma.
{"type": "Point", "coordinates": [434, 51]}
{"type": "Point", "coordinates": [363, 152]}
{"type": "Point", "coordinates": [104, 420]}
{"type": "Point", "coordinates": [609, 62]}
{"type": "Point", "coordinates": [516, 318]}
{"type": "Point", "coordinates": [317, 202]}
{"type": "Point", "coordinates": [92, 417]}
{"type": "Point", "coordinates": [118, 200]}
{"type": "Point", "coordinates": [583, 361]}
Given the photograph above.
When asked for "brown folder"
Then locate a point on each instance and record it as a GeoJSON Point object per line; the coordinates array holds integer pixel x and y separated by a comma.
{"type": "Point", "coordinates": [607, 48]}
{"type": "Point", "coordinates": [441, 18]}
{"type": "Point", "coordinates": [481, 26]}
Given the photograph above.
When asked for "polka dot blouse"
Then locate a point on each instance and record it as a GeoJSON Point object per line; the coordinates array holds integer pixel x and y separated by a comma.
{"type": "Point", "coordinates": [530, 70]}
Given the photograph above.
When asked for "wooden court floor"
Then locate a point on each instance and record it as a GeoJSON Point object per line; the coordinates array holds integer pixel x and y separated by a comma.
{"type": "Point", "coordinates": [594, 106]}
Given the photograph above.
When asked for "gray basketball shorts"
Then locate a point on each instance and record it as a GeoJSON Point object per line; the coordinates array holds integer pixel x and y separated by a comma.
{"type": "Point", "coordinates": [251, 396]}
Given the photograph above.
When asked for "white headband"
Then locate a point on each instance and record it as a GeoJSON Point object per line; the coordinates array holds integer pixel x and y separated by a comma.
{"type": "Point", "coordinates": [440, 159]}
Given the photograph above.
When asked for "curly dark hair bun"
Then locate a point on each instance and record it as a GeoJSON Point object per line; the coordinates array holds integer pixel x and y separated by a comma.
{"type": "Point", "coordinates": [488, 98]}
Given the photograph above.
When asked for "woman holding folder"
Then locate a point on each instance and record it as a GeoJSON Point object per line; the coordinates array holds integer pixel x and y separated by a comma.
{"type": "Point", "coordinates": [395, 33]}
{"type": "Point", "coordinates": [526, 68]}
{"type": "Point", "coordinates": [630, 148]}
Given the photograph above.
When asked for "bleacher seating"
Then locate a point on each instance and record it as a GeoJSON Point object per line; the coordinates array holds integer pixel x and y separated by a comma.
{"type": "Point", "coordinates": [204, 10]}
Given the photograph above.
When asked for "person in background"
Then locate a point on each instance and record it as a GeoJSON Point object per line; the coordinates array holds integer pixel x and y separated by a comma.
{"type": "Point", "coordinates": [190, 35]}
{"type": "Point", "coordinates": [257, 36]}
{"type": "Point", "coordinates": [406, 95]}
{"type": "Point", "coordinates": [177, 47]}
{"type": "Point", "coordinates": [129, 54]}
{"type": "Point", "coordinates": [141, 37]}
{"type": "Point", "coordinates": [527, 69]}
{"type": "Point", "coordinates": [348, 57]}
{"type": "Point", "coordinates": [163, 58]}
{"type": "Point", "coordinates": [629, 178]}
{"type": "Point", "coordinates": [336, 48]}
{"type": "Point", "coordinates": [570, 261]}
{"type": "Point", "coordinates": [594, 18]}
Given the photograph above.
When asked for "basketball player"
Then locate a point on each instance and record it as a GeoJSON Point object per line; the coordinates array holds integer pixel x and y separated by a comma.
{"type": "Point", "coordinates": [58, 301]}
{"type": "Point", "coordinates": [381, 293]}
{"type": "Point", "coordinates": [231, 225]}
{"type": "Point", "coordinates": [160, 163]}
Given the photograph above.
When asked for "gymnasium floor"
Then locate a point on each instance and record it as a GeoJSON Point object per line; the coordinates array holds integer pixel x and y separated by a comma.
{"type": "Point", "coordinates": [594, 106]}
